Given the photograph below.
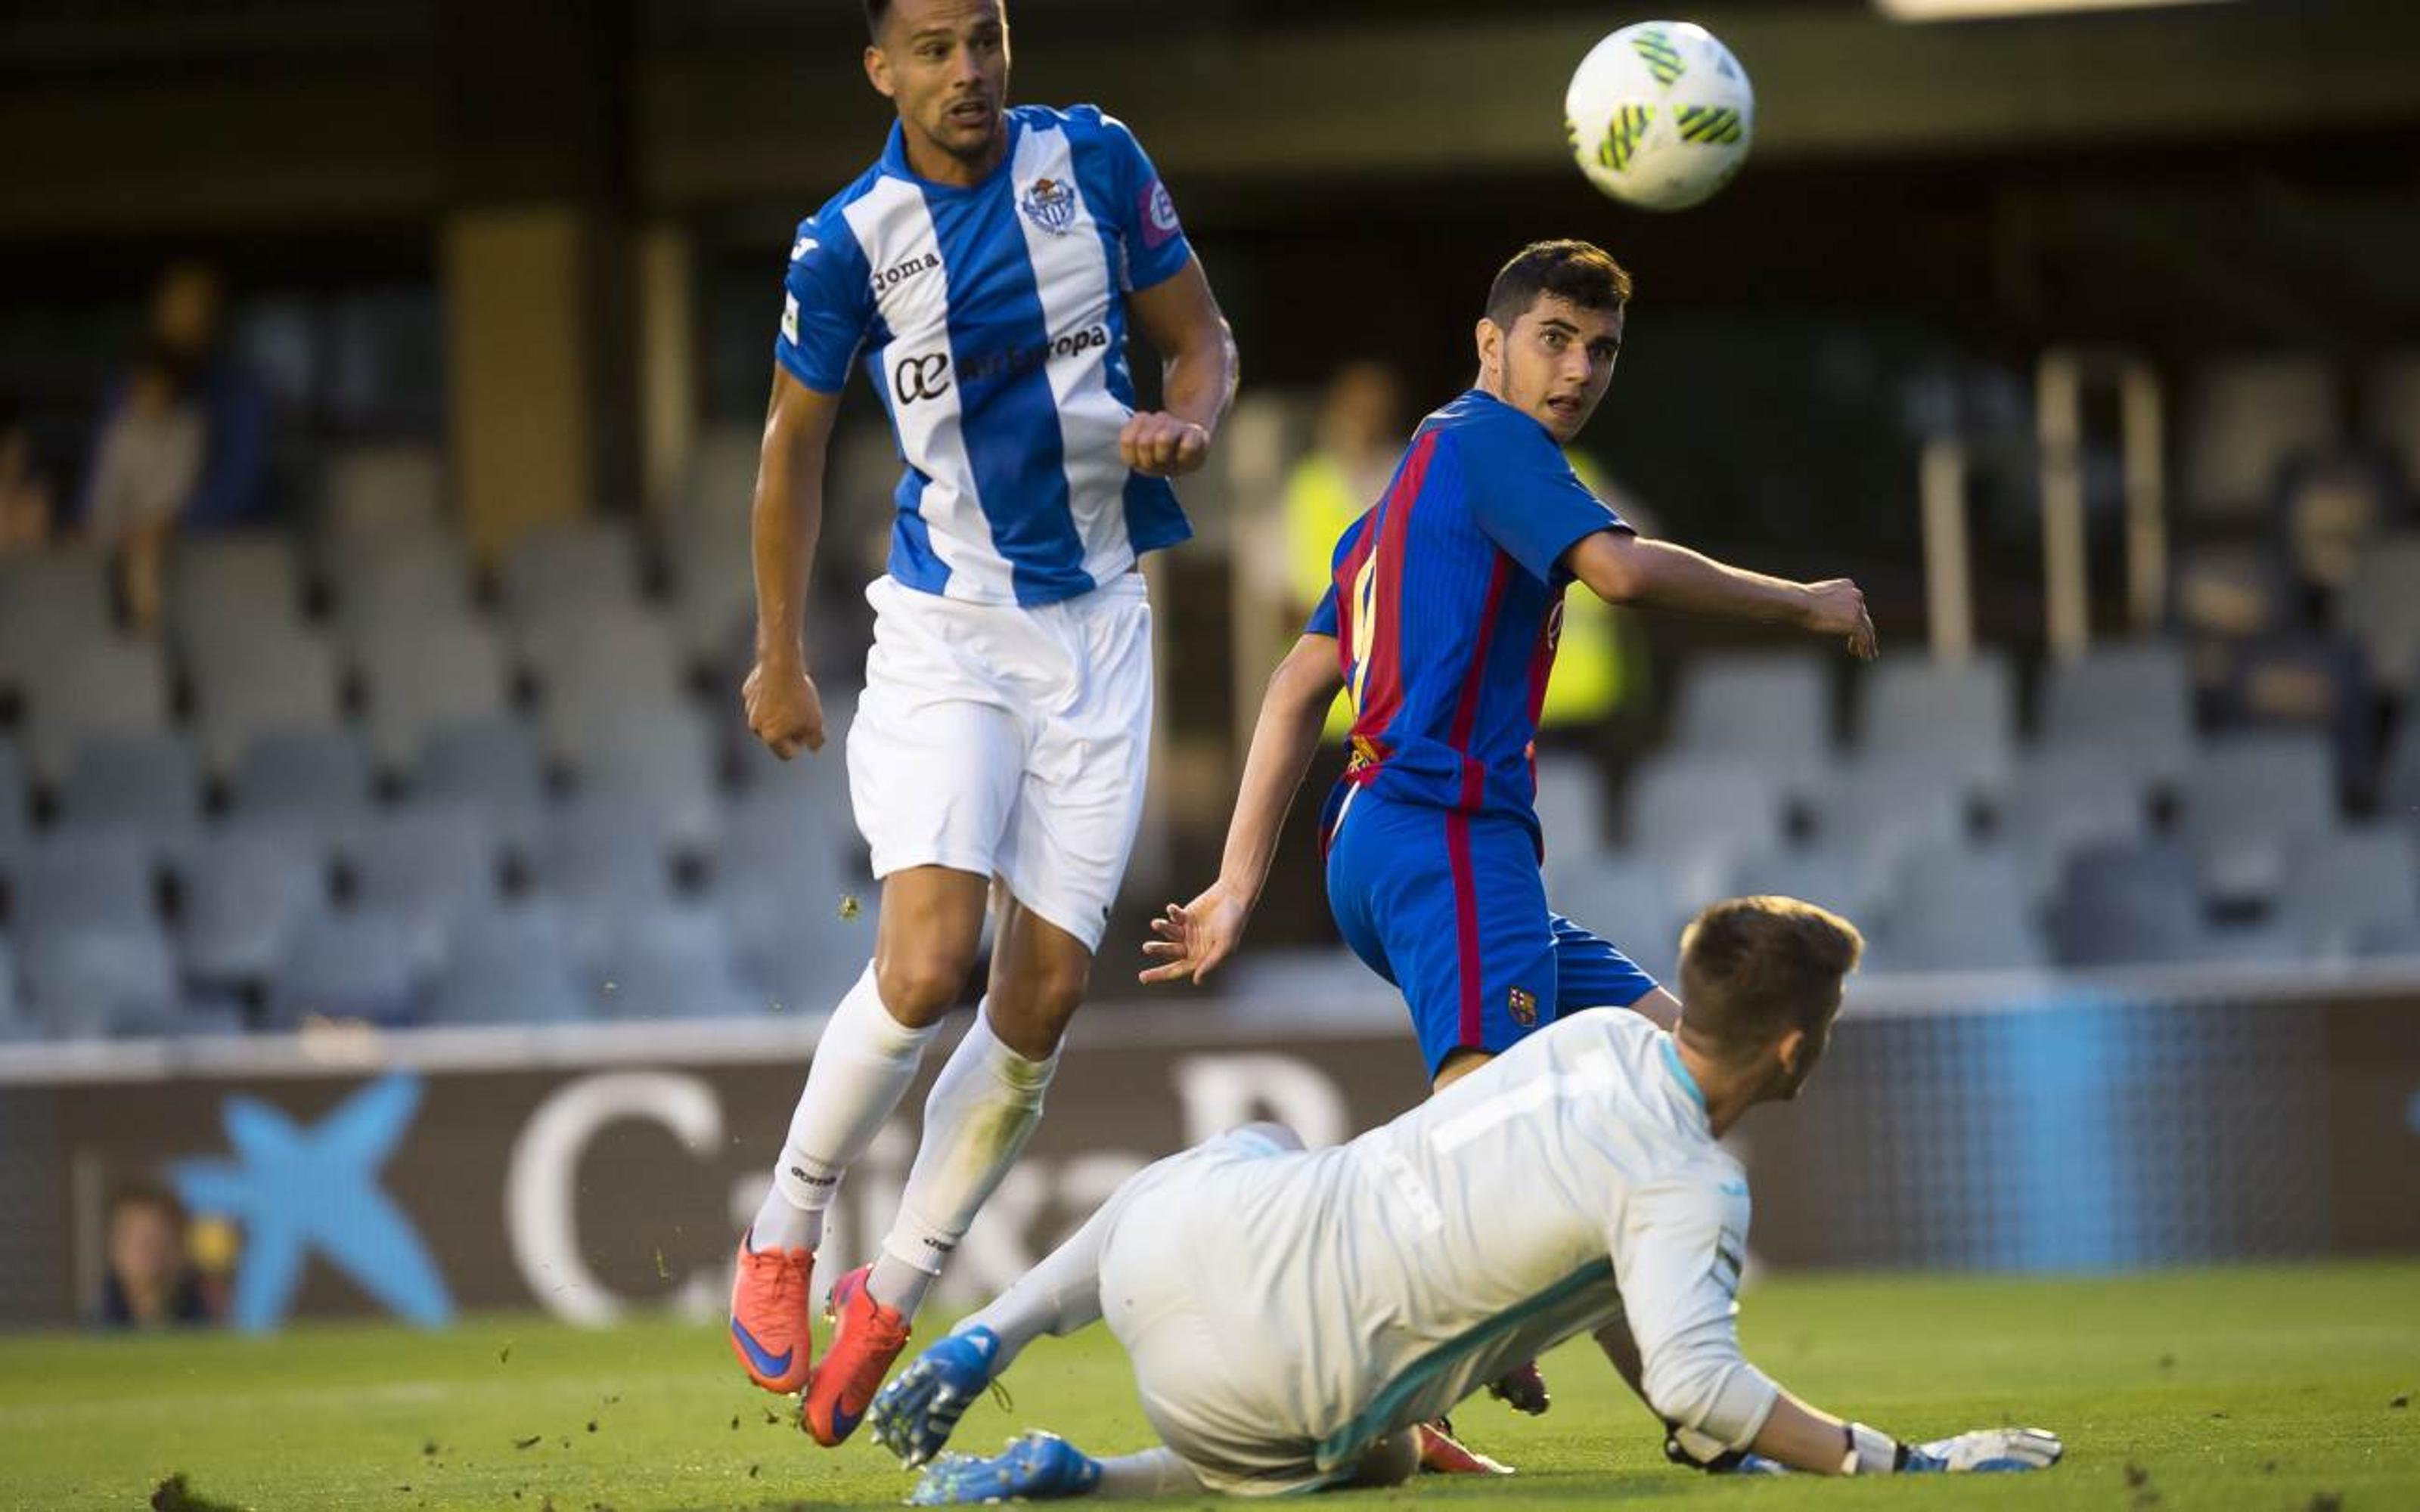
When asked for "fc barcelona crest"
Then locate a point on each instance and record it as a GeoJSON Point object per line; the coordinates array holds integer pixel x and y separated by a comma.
{"type": "Point", "coordinates": [1050, 203]}
{"type": "Point", "coordinates": [1524, 1008]}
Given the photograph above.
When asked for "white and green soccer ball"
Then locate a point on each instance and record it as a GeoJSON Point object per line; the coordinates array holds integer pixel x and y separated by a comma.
{"type": "Point", "coordinates": [1660, 115]}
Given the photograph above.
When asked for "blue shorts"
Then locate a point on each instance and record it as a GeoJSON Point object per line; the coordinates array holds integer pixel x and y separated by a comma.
{"type": "Point", "coordinates": [1451, 909]}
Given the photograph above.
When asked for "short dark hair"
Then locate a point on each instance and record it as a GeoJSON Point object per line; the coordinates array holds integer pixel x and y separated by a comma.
{"type": "Point", "coordinates": [1752, 969]}
{"type": "Point", "coordinates": [877, 12]}
{"type": "Point", "coordinates": [1581, 271]}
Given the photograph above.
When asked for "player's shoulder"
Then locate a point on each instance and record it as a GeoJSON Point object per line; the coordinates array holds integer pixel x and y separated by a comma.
{"type": "Point", "coordinates": [1483, 431]}
{"type": "Point", "coordinates": [828, 225]}
{"type": "Point", "coordinates": [1085, 125]}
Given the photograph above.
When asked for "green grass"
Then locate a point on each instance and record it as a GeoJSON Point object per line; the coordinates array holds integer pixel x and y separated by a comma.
{"type": "Point", "coordinates": [2263, 1388]}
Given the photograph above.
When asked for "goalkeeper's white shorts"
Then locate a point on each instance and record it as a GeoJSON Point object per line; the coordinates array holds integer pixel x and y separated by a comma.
{"type": "Point", "coordinates": [1008, 741]}
{"type": "Point", "coordinates": [1216, 1371]}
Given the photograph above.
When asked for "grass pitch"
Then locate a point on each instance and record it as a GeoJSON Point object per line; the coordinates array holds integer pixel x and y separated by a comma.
{"type": "Point", "coordinates": [2282, 1389]}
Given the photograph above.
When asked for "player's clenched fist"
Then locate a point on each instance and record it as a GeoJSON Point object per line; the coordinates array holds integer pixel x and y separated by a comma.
{"type": "Point", "coordinates": [784, 711]}
{"type": "Point", "coordinates": [1837, 605]}
{"type": "Point", "coordinates": [1160, 445]}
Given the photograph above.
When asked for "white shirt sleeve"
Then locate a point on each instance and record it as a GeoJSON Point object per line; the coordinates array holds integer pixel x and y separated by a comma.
{"type": "Point", "coordinates": [1678, 1247]}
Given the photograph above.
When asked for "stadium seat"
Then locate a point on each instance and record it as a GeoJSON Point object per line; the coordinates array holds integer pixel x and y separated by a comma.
{"type": "Point", "coordinates": [1961, 909]}
{"type": "Point", "coordinates": [1956, 716]}
{"type": "Point", "coordinates": [2379, 608]}
{"type": "Point", "coordinates": [2134, 700]}
{"type": "Point", "coordinates": [492, 766]}
{"type": "Point", "coordinates": [2250, 800]}
{"type": "Point", "coordinates": [321, 777]}
{"type": "Point", "coordinates": [604, 856]}
{"type": "Point", "coordinates": [589, 564]}
{"type": "Point", "coordinates": [1889, 804]}
{"type": "Point", "coordinates": [17, 1022]}
{"type": "Point", "coordinates": [284, 678]}
{"type": "Point", "coordinates": [779, 886]}
{"type": "Point", "coordinates": [510, 965]}
{"type": "Point", "coordinates": [49, 601]}
{"type": "Point", "coordinates": [2126, 903]}
{"type": "Point", "coordinates": [714, 590]}
{"type": "Point", "coordinates": [1772, 708]}
{"type": "Point", "coordinates": [101, 979]}
{"type": "Point", "coordinates": [16, 818]}
{"type": "Point", "coordinates": [76, 878]}
{"type": "Point", "coordinates": [428, 868]}
{"type": "Point", "coordinates": [2243, 420]}
{"type": "Point", "coordinates": [1693, 811]}
{"type": "Point", "coordinates": [671, 963]}
{"type": "Point", "coordinates": [388, 585]}
{"type": "Point", "coordinates": [1571, 799]}
{"type": "Point", "coordinates": [345, 965]}
{"type": "Point", "coordinates": [384, 489]}
{"type": "Point", "coordinates": [2064, 798]}
{"type": "Point", "coordinates": [81, 689]}
{"type": "Point", "coordinates": [420, 678]}
{"type": "Point", "coordinates": [1853, 880]}
{"type": "Point", "coordinates": [233, 585]}
{"type": "Point", "coordinates": [1629, 899]}
{"type": "Point", "coordinates": [148, 784]}
{"type": "Point", "coordinates": [596, 667]}
{"type": "Point", "coordinates": [2356, 893]}
{"type": "Point", "coordinates": [788, 832]}
{"type": "Point", "coordinates": [662, 758]}
{"type": "Point", "coordinates": [247, 887]}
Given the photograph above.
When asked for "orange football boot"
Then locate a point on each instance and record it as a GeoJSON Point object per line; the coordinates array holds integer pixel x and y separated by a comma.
{"type": "Point", "coordinates": [772, 1302]}
{"type": "Point", "coordinates": [866, 1337]}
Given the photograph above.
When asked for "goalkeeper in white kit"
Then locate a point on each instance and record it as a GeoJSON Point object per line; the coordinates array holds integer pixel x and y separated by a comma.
{"type": "Point", "coordinates": [1294, 1317]}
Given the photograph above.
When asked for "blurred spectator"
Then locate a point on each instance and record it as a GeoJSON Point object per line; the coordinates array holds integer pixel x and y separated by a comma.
{"type": "Point", "coordinates": [1361, 434]}
{"type": "Point", "coordinates": [24, 492]}
{"type": "Point", "coordinates": [151, 1282]}
{"type": "Point", "coordinates": [188, 322]}
{"type": "Point", "coordinates": [185, 369]}
{"type": "Point", "coordinates": [143, 474]}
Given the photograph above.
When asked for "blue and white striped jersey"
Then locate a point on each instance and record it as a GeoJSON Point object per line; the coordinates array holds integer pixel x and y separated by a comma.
{"type": "Point", "coordinates": [992, 320]}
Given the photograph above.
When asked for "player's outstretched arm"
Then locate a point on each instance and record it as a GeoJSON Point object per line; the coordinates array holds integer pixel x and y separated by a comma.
{"type": "Point", "coordinates": [783, 709]}
{"type": "Point", "coordinates": [1181, 319]}
{"type": "Point", "coordinates": [1802, 1438]}
{"type": "Point", "coordinates": [1626, 569]}
{"type": "Point", "coordinates": [1194, 937]}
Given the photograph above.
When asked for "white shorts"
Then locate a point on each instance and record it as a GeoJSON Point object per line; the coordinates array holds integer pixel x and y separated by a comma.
{"type": "Point", "coordinates": [1216, 1371]}
{"type": "Point", "coordinates": [1009, 742]}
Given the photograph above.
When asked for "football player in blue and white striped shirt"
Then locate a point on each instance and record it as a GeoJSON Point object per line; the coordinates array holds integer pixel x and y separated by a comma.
{"type": "Point", "coordinates": [983, 271]}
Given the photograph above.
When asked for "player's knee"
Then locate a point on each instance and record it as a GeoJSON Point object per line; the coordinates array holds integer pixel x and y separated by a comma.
{"type": "Point", "coordinates": [919, 985]}
{"type": "Point", "coordinates": [1033, 1008]}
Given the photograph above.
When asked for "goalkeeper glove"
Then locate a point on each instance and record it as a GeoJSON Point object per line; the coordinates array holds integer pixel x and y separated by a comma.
{"type": "Point", "coordinates": [1870, 1452]}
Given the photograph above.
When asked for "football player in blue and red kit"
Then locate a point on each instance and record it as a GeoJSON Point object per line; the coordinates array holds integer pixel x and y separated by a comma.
{"type": "Point", "coordinates": [1441, 624]}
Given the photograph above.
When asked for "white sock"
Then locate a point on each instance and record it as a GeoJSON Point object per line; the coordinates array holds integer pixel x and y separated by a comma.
{"type": "Point", "coordinates": [1057, 1297]}
{"type": "Point", "coordinates": [983, 1108]}
{"type": "Point", "coordinates": [861, 1069]}
{"type": "Point", "coordinates": [1149, 1472]}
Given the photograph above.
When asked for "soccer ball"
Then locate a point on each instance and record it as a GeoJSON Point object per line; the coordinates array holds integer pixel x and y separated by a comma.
{"type": "Point", "coordinates": [1659, 114]}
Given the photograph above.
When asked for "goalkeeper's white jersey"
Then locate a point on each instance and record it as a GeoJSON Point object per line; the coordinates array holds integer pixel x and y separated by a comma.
{"type": "Point", "coordinates": [1573, 1180]}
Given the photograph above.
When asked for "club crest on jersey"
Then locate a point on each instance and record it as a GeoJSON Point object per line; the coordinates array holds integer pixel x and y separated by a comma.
{"type": "Point", "coordinates": [1050, 203]}
{"type": "Point", "coordinates": [1524, 1007]}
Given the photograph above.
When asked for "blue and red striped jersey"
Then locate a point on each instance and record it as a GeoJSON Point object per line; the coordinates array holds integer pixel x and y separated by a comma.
{"type": "Point", "coordinates": [1446, 601]}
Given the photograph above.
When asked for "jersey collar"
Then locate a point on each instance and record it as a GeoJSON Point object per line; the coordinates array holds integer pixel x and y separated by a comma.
{"type": "Point", "coordinates": [1679, 1070]}
{"type": "Point", "coordinates": [894, 160]}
